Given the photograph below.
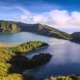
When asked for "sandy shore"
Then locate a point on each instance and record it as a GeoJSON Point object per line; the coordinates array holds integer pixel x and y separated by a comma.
{"type": "Point", "coordinates": [7, 45]}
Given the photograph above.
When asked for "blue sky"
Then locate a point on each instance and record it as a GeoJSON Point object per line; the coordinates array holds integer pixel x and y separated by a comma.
{"type": "Point", "coordinates": [43, 5]}
{"type": "Point", "coordinates": [62, 14]}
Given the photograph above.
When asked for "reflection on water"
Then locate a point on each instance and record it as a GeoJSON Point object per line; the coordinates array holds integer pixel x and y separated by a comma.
{"type": "Point", "coordinates": [66, 55]}
{"type": "Point", "coordinates": [65, 60]}
{"type": "Point", "coordinates": [26, 36]}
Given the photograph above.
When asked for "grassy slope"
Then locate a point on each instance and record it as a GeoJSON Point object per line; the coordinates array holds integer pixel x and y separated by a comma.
{"type": "Point", "coordinates": [25, 47]}
{"type": "Point", "coordinates": [44, 30]}
{"type": "Point", "coordinates": [8, 27]}
{"type": "Point", "coordinates": [55, 32]}
{"type": "Point", "coordinates": [7, 54]}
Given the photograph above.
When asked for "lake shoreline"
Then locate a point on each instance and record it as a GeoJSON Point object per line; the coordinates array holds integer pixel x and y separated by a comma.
{"type": "Point", "coordinates": [3, 45]}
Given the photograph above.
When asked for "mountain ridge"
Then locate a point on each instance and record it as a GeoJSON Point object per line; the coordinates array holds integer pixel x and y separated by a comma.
{"type": "Point", "coordinates": [45, 30]}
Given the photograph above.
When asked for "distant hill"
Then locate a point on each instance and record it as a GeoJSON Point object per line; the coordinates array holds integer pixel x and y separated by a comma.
{"type": "Point", "coordinates": [76, 36]}
{"type": "Point", "coordinates": [11, 26]}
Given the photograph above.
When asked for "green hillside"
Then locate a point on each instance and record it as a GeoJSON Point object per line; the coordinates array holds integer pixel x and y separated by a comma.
{"type": "Point", "coordinates": [52, 32]}
{"type": "Point", "coordinates": [11, 58]}
{"type": "Point", "coordinates": [12, 27]}
{"type": "Point", "coordinates": [8, 27]}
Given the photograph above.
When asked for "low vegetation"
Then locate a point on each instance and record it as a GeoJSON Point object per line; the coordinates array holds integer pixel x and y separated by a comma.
{"type": "Point", "coordinates": [4, 67]}
{"type": "Point", "coordinates": [52, 32]}
{"type": "Point", "coordinates": [28, 46]}
{"type": "Point", "coordinates": [7, 53]}
{"type": "Point", "coordinates": [13, 76]}
{"type": "Point", "coordinates": [13, 63]}
{"type": "Point", "coordinates": [69, 77]}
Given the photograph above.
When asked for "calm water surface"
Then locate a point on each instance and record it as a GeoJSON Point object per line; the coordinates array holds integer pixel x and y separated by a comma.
{"type": "Point", "coordinates": [66, 55]}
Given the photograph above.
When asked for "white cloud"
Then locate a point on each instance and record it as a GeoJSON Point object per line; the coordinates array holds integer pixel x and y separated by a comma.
{"type": "Point", "coordinates": [61, 19]}
{"type": "Point", "coordinates": [38, 18]}
{"type": "Point", "coordinates": [75, 18]}
{"type": "Point", "coordinates": [54, 17]}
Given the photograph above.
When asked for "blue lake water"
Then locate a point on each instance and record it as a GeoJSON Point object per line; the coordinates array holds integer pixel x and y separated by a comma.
{"type": "Point", "coordinates": [65, 54]}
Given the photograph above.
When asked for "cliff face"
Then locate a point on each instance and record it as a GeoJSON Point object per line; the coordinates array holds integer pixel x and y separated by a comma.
{"type": "Point", "coordinates": [10, 26]}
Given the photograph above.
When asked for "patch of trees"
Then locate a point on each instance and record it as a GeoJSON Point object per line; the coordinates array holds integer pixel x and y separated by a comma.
{"type": "Point", "coordinates": [28, 46]}
{"type": "Point", "coordinates": [20, 63]}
